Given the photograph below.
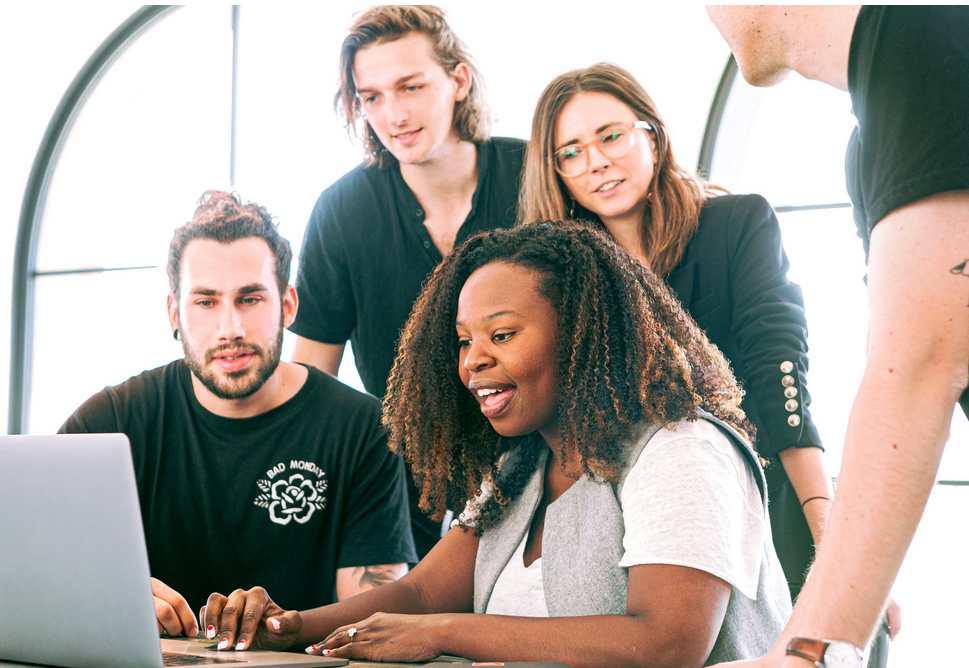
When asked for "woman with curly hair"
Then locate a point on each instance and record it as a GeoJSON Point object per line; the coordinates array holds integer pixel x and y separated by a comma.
{"type": "Point", "coordinates": [601, 152]}
{"type": "Point", "coordinates": [615, 514]}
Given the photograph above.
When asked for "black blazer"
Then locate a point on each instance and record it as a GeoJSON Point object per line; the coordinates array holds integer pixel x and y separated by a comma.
{"type": "Point", "coordinates": [733, 280]}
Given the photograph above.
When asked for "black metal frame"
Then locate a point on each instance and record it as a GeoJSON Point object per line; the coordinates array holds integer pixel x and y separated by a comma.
{"type": "Point", "coordinates": [716, 115]}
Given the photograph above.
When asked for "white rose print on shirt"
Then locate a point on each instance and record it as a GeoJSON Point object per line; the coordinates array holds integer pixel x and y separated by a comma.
{"type": "Point", "coordinates": [293, 497]}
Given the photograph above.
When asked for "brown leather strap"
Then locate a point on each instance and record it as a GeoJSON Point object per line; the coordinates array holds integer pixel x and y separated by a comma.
{"type": "Point", "coordinates": [808, 648]}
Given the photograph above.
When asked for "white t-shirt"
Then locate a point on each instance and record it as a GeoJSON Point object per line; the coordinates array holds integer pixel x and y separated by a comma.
{"type": "Point", "coordinates": [690, 500]}
{"type": "Point", "coordinates": [519, 590]}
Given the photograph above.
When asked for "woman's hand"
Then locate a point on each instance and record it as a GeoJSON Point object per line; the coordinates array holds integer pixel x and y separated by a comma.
{"type": "Point", "coordinates": [264, 624]}
{"type": "Point", "coordinates": [894, 614]}
{"type": "Point", "coordinates": [384, 637]}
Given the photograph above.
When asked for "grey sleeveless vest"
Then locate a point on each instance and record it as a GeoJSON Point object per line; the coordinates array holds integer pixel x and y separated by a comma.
{"type": "Point", "coordinates": [582, 547]}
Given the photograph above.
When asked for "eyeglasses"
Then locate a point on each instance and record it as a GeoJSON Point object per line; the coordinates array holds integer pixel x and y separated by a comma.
{"type": "Point", "coordinates": [613, 142]}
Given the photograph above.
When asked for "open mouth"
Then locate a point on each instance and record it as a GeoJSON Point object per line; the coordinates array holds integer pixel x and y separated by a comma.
{"type": "Point", "coordinates": [234, 360]}
{"type": "Point", "coordinates": [494, 401]}
{"type": "Point", "coordinates": [608, 187]}
{"type": "Point", "coordinates": [408, 138]}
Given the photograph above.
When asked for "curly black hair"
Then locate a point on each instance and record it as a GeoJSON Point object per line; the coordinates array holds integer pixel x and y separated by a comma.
{"type": "Point", "coordinates": [628, 354]}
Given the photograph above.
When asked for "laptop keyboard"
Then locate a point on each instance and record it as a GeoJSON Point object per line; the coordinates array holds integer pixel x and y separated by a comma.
{"type": "Point", "coordinates": [175, 659]}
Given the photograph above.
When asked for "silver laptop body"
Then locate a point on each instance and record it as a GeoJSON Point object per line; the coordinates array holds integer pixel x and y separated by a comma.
{"type": "Point", "coordinates": [74, 577]}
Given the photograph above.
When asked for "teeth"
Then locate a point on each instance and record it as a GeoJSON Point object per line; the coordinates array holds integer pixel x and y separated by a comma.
{"type": "Point", "coordinates": [485, 393]}
{"type": "Point", "coordinates": [608, 186]}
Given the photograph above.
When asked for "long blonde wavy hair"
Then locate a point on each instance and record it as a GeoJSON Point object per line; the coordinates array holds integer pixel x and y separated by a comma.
{"type": "Point", "coordinates": [676, 195]}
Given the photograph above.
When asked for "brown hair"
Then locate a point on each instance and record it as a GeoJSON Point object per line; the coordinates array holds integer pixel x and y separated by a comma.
{"type": "Point", "coordinates": [387, 23]}
{"type": "Point", "coordinates": [222, 217]}
{"type": "Point", "coordinates": [628, 354]}
{"type": "Point", "coordinates": [673, 212]}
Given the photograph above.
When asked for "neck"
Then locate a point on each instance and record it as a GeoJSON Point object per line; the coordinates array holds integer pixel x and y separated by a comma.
{"type": "Point", "coordinates": [819, 41]}
{"type": "Point", "coordinates": [279, 388]}
{"type": "Point", "coordinates": [626, 232]}
{"type": "Point", "coordinates": [451, 174]}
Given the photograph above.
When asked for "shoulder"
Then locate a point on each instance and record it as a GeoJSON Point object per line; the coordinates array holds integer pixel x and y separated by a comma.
{"type": "Point", "coordinates": [737, 209]}
{"type": "Point", "coordinates": [733, 219]}
{"type": "Point", "coordinates": [696, 450]}
{"type": "Point", "coordinates": [363, 188]}
{"type": "Point", "coordinates": [682, 432]}
{"type": "Point", "coordinates": [505, 153]}
{"type": "Point", "coordinates": [343, 402]}
{"type": "Point", "coordinates": [151, 384]}
{"type": "Point", "coordinates": [143, 394]}
{"type": "Point", "coordinates": [506, 145]}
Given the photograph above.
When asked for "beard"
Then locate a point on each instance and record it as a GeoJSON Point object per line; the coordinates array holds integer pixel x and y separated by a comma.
{"type": "Point", "coordinates": [235, 384]}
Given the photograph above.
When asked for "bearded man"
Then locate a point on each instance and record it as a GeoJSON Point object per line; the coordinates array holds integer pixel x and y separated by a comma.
{"type": "Point", "coordinates": [251, 471]}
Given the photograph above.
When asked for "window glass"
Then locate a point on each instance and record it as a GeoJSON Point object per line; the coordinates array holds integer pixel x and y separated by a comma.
{"type": "Point", "coordinates": [151, 137]}
{"type": "Point", "coordinates": [786, 143]}
{"type": "Point", "coordinates": [93, 330]}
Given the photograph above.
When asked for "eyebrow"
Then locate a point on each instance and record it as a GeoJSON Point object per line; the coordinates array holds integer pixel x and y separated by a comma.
{"type": "Point", "coordinates": [245, 290]}
{"type": "Point", "coordinates": [496, 314]}
{"type": "Point", "coordinates": [599, 131]}
{"type": "Point", "coordinates": [397, 84]}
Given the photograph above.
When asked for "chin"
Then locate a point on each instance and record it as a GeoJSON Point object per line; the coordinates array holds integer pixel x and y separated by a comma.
{"type": "Point", "coordinates": [763, 77]}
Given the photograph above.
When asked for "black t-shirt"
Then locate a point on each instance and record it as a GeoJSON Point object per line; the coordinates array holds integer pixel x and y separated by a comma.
{"type": "Point", "coordinates": [280, 500]}
{"type": "Point", "coordinates": [366, 254]}
{"type": "Point", "coordinates": [908, 76]}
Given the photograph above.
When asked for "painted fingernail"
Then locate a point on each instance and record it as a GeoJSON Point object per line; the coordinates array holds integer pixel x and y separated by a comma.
{"type": "Point", "coordinates": [240, 645]}
{"type": "Point", "coordinates": [223, 643]}
{"type": "Point", "coordinates": [210, 632]}
{"type": "Point", "coordinates": [327, 652]}
{"type": "Point", "coordinates": [275, 623]}
{"type": "Point", "coordinates": [311, 649]}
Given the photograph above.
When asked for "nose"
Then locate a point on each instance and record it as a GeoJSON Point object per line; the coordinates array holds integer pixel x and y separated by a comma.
{"type": "Point", "coordinates": [396, 111]}
{"type": "Point", "coordinates": [597, 159]}
{"type": "Point", "coordinates": [476, 357]}
{"type": "Point", "coordinates": [230, 324]}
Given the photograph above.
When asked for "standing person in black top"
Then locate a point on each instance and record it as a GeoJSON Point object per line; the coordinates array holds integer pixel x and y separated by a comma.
{"type": "Point", "coordinates": [431, 177]}
{"type": "Point", "coordinates": [601, 152]}
{"type": "Point", "coordinates": [242, 460]}
{"type": "Point", "coordinates": [907, 71]}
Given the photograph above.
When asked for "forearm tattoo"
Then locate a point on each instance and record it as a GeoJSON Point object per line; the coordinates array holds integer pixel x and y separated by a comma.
{"type": "Point", "coordinates": [370, 577]}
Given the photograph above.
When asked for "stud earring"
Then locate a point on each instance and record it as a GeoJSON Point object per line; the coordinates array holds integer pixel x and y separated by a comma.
{"type": "Point", "coordinates": [175, 335]}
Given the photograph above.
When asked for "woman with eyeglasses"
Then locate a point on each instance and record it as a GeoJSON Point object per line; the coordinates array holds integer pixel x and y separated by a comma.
{"type": "Point", "coordinates": [600, 152]}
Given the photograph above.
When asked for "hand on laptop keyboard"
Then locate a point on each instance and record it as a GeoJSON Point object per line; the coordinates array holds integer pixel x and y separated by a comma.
{"type": "Point", "coordinates": [264, 624]}
{"type": "Point", "coordinates": [171, 609]}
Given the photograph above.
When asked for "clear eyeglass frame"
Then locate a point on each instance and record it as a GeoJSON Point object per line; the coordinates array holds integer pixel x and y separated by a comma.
{"type": "Point", "coordinates": [568, 159]}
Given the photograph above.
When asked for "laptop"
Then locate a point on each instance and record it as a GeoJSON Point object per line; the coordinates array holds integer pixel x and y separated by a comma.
{"type": "Point", "coordinates": [74, 587]}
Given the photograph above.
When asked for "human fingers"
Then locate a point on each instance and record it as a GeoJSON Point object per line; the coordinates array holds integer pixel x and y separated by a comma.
{"type": "Point", "coordinates": [255, 601]}
{"type": "Point", "coordinates": [168, 621]}
{"type": "Point", "coordinates": [282, 622]}
{"type": "Point", "coordinates": [172, 610]}
{"type": "Point", "coordinates": [339, 643]}
{"type": "Point", "coordinates": [228, 625]}
{"type": "Point", "coordinates": [894, 612]}
{"type": "Point", "coordinates": [211, 614]}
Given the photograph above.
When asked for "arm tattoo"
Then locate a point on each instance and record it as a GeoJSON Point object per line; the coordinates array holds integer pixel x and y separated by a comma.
{"type": "Point", "coordinates": [370, 577]}
{"type": "Point", "coordinates": [961, 268]}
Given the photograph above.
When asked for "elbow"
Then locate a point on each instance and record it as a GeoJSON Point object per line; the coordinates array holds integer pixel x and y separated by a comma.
{"type": "Point", "coordinates": [939, 369]}
{"type": "Point", "coordinates": [689, 648]}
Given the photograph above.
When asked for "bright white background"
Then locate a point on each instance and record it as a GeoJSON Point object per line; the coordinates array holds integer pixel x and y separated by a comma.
{"type": "Point", "coordinates": [154, 135]}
